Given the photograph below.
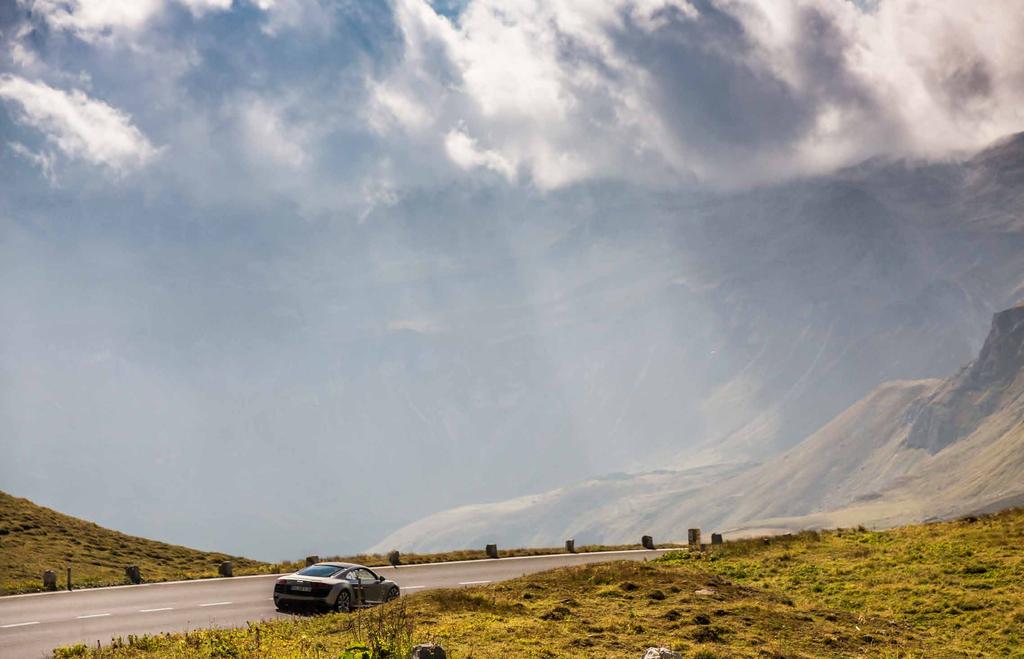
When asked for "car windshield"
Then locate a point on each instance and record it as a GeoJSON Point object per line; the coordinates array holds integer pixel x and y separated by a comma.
{"type": "Point", "coordinates": [318, 571]}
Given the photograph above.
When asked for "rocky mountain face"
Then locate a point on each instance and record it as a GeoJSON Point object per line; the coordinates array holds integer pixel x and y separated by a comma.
{"type": "Point", "coordinates": [785, 306]}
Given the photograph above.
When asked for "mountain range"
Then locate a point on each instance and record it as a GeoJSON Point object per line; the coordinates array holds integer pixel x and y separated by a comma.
{"type": "Point", "coordinates": [817, 392]}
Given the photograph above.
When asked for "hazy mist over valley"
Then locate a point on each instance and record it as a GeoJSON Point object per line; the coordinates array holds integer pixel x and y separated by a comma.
{"type": "Point", "coordinates": [280, 278]}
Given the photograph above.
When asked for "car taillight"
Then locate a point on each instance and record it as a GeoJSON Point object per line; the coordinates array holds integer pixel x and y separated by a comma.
{"type": "Point", "coordinates": [282, 581]}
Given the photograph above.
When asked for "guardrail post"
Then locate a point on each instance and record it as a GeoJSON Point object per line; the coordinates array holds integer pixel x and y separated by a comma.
{"type": "Point", "coordinates": [492, 551]}
{"type": "Point", "coordinates": [69, 578]}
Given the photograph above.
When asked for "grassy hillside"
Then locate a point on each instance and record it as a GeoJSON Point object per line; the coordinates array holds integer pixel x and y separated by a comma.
{"type": "Point", "coordinates": [954, 589]}
{"type": "Point", "coordinates": [34, 539]}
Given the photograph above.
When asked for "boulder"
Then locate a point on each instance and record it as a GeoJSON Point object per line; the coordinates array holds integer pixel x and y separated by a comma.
{"type": "Point", "coordinates": [394, 558]}
{"type": "Point", "coordinates": [492, 551]}
{"type": "Point", "coordinates": [716, 538]}
{"type": "Point", "coordinates": [428, 651]}
{"type": "Point", "coordinates": [570, 546]}
{"type": "Point", "coordinates": [661, 653]}
{"type": "Point", "coordinates": [647, 542]}
{"type": "Point", "coordinates": [312, 560]}
{"type": "Point", "coordinates": [50, 580]}
{"type": "Point", "coordinates": [226, 569]}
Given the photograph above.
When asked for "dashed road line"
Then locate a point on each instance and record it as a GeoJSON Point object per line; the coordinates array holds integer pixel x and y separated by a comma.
{"type": "Point", "coordinates": [93, 615]}
{"type": "Point", "coordinates": [164, 608]}
{"type": "Point", "coordinates": [19, 624]}
{"type": "Point", "coordinates": [412, 587]}
{"type": "Point", "coordinates": [216, 604]}
{"type": "Point", "coordinates": [473, 583]}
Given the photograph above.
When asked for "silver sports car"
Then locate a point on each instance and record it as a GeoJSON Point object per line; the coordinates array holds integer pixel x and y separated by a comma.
{"type": "Point", "coordinates": [340, 586]}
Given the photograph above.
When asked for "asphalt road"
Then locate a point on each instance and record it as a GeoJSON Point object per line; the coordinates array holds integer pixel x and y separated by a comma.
{"type": "Point", "coordinates": [32, 625]}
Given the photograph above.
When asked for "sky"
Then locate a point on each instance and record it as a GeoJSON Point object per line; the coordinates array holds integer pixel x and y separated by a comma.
{"type": "Point", "coordinates": [266, 259]}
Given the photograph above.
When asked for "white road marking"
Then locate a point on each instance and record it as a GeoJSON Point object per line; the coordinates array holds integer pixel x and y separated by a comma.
{"type": "Point", "coordinates": [166, 608]}
{"type": "Point", "coordinates": [93, 615]}
{"type": "Point", "coordinates": [473, 583]}
{"type": "Point", "coordinates": [19, 624]}
{"type": "Point", "coordinates": [412, 587]}
{"type": "Point", "coordinates": [216, 604]}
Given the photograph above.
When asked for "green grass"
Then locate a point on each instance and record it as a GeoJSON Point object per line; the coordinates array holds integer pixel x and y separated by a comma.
{"type": "Point", "coordinates": [959, 586]}
{"type": "Point", "coordinates": [944, 590]}
{"type": "Point", "coordinates": [34, 539]}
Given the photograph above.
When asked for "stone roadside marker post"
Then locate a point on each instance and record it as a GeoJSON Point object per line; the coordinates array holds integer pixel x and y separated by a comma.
{"type": "Point", "coordinates": [570, 546]}
{"type": "Point", "coordinates": [693, 538]}
{"type": "Point", "coordinates": [133, 574]}
{"type": "Point", "coordinates": [492, 551]}
{"type": "Point", "coordinates": [226, 569]}
{"type": "Point", "coordinates": [50, 580]}
{"type": "Point", "coordinates": [716, 538]}
{"type": "Point", "coordinates": [312, 560]}
{"type": "Point", "coordinates": [647, 542]}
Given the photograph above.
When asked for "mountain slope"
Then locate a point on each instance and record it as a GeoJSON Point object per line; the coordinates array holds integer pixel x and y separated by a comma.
{"type": "Point", "coordinates": [967, 439]}
{"type": "Point", "coordinates": [906, 452]}
{"type": "Point", "coordinates": [34, 539]}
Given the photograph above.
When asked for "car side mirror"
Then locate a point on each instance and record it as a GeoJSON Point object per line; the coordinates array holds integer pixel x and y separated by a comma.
{"type": "Point", "coordinates": [380, 578]}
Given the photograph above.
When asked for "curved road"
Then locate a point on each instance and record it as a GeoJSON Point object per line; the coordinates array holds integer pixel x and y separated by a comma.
{"type": "Point", "coordinates": [32, 625]}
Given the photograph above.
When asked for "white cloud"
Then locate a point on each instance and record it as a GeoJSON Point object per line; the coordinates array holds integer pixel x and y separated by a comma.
{"type": "Point", "coordinates": [91, 18]}
{"type": "Point", "coordinates": [417, 325]}
{"type": "Point", "coordinates": [95, 19]}
{"type": "Point", "coordinates": [730, 92]}
{"type": "Point", "coordinates": [80, 126]}
{"type": "Point", "coordinates": [463, 151]}
{"type": "Point", "coordinates": [44, 160]}
{"type": "Point", "coordinates": [268, 134]}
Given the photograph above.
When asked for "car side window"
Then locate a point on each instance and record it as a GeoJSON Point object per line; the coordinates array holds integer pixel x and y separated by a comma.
{"type": "Point", "coordinates": [361, 576]}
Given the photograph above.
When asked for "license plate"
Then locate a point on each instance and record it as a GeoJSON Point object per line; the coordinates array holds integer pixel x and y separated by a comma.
{"type": "Point", "coordinates": [302, 589]}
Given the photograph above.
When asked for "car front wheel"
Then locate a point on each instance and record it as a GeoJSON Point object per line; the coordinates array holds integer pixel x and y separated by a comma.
{"type": "Point", "coordinates": [344, 602]}
{"type": "Point", "coordinates": [392, 594]}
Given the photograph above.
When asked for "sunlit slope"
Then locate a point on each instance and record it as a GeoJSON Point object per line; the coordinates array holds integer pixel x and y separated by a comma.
{"type": "Point", "coordinates": [34, 539]}
{"type": "Point", "coordinates": [962, 445]}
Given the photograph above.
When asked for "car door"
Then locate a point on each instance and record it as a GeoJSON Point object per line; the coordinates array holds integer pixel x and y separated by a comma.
{"type": "Point", "coordinates": [370, 584]}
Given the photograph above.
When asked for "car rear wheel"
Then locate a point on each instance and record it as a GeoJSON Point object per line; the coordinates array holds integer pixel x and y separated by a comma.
{"type": "Point", "coordinates": [392, 594]}
{"type": "Point", "coordinates": [344, 602]}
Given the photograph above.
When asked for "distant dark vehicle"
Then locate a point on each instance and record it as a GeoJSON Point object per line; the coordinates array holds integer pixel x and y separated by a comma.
{"type": "Point", "coordinates": [338, 586]}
